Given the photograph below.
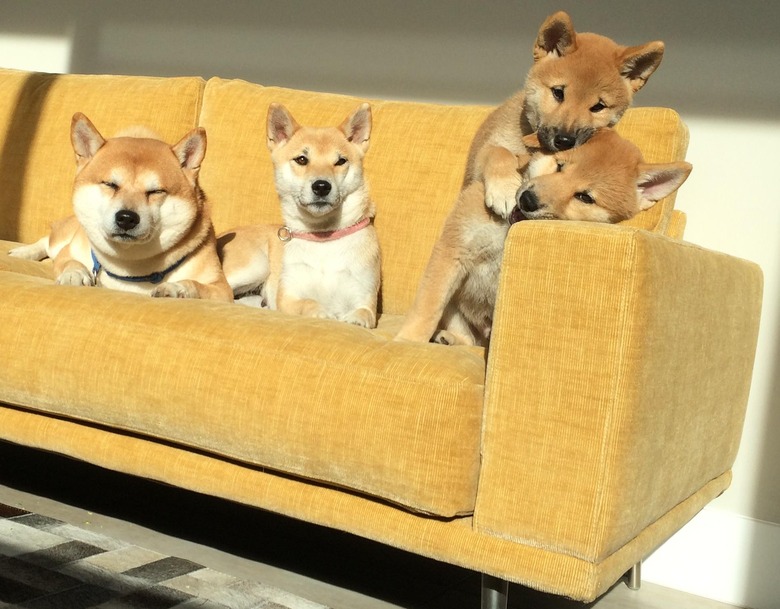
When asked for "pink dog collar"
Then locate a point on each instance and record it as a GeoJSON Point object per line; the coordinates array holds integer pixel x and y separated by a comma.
{"type": "Point", "coordinates": [285, 234]}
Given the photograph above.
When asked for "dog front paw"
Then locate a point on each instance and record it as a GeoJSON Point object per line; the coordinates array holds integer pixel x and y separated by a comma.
{"type": "Point", "coordinates": [500, 194]}
{"type": "Point", "coordinates": [77, 277]}
{"type": "Point", "coordinates": [360, 317]}
{"type": "Point", "coordinates": [174, 289]}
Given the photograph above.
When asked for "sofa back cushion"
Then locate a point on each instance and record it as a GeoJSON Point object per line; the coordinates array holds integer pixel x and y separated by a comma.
{"type": "Point", "coordinates": [37, 162]}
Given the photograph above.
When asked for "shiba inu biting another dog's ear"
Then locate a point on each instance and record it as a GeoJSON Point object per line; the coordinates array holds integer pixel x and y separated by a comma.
{"type": "Point", "coordinates": [324, 261]}
{"type": "Point", "coordinates": [578, 83]}
{"type": "Point", "coordinates": [603, 180]}
{"type": "Point", "coordinates": [141, 222]}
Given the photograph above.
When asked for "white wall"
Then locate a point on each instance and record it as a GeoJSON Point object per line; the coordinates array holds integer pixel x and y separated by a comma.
{"type": "Point", "coordinates": [720, 72]}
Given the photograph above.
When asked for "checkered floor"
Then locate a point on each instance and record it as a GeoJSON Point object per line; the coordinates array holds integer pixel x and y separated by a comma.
{"type": "Point", "coordinates": [48, 564]}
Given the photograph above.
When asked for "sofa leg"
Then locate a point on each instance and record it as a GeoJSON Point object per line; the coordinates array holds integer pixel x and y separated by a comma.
{"type": "Point", "coordinates": [494, 592]}
{"type": "Point", "coordinates": [635, 576]}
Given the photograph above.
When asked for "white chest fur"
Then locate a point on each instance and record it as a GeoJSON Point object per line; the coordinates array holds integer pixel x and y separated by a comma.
{"type": "Point", "coordinates": [342, 275]}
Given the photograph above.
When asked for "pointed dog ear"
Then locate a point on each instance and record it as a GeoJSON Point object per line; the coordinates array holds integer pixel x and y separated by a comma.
{"type": "Point", "coordinates": [556, 37]}
{"type": "Point", "coordinates": [281, 126]}
{"type": "Point", "coordinates": [357, 126]}
{"type": "Point", "coordinates": [659, 180]}
{"type": "Point", "coordinates": [85, 138]}
{"type": "Point", "coordinates": [191, 149]}
{"type": "Point", "coordinates": [636, 64]}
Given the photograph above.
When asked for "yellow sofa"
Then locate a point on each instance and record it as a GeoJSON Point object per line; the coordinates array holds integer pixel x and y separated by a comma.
{"type": "Point", "coordinates": [607, 412]}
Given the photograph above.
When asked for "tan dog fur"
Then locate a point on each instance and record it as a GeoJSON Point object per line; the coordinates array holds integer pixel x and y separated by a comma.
{"type": "Point", "coordinates": [603, 180]}
{"type": "Point", "coordinates": [577, 84]}
{"type": "Point", "coordinates": [318, 173]}
{"type": "Point", "coordinates": [135, 179]}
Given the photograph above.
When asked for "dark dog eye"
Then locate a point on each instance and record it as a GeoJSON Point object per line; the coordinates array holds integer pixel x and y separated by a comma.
{"type": "Point", "coordinates": [301, 160]}
{"type": "Point", "coordinates": [598, 107]}
{"type": "Point", "coordinates": [558, 93]}
{"type": "Point", "coordinates": [584, 197]}
{"type": "Point", "coordinates": [341, 161]}
{"type": "Point", "coordinates": [112, 185]}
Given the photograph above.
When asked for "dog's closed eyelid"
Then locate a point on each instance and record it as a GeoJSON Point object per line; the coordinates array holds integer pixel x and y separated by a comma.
{"type": "Point", "coordinates": [109, 184]}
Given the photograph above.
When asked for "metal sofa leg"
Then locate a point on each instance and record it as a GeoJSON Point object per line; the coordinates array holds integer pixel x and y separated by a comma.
{"type": "Point", "coordinates": [494, 592]}
{"type": "Point", "coordinates": [635, 577]}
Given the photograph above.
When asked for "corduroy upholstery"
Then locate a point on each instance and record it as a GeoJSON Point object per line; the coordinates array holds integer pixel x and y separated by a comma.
{"type": "Point", "coordinates": [607, 412]}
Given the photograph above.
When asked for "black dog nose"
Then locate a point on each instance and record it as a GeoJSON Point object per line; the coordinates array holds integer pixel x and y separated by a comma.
{"type": "Point", "coordinates": [321, 188]}
{"type": "Point", "coordinates": [564, 141]}
{"type": "Point", "coordinates": [528, 201]}
{"type": "Point", "coordinates": [127, 219]}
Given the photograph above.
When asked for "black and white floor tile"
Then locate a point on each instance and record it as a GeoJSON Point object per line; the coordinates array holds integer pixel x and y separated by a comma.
{"type": "Point", "coordinates": [49, 564]}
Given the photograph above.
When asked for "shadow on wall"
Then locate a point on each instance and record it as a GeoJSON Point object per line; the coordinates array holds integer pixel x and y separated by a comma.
{"type": "Point", "coordinates": [22, 127]}
{"type": "Point", "coordinates": [717, 63]}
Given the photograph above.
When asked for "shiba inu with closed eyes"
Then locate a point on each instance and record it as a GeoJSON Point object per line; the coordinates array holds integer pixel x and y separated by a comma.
{"type": "Point", "coordinates": [603, 180]}
{"type": "Point", "coordinates": [578, 84]}
{"type": "Point", "coordinates": [141, 222]}
{"type": "Point", "coordinates": [324, 262]}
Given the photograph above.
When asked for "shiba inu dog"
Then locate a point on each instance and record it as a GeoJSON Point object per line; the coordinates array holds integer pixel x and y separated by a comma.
{"type": "Point", "coordinates": [324, 262]}
{"type": "Point", "coordinates": [603, 180]}
{"type": "Point", "coordinates": [578, 83]}
{"type": "Point", "coordinates": [141, 221]}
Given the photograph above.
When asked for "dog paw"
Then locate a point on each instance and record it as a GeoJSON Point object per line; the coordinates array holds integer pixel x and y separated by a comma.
{"type": "Point", "coordinates": [500, 194]}
{"type": "Point", "coordinates": [360, 317]}
{"type": "Point", "coordinates": [33, 251]}
{"type": "Point", "coordinates": [77, 277]}
{"type": "Point", "coordinates": [173, 289]}
{"type": "Point", "coordinates": [446, 337]}
{"type": "Point", "coordinates": [443, 337]}
{"type": "Point", "coordinates": [253, 300]}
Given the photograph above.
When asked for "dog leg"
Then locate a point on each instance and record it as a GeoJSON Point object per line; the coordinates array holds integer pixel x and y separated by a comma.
{"type": "Point", "coordinates": [74, 273]}
{"type": "Point", "coordinates": [363, 317]}
{"type": "Point", "coordinates": [441, 279]}
{"type": "Point", "coordinates": [501, 178]}
{"type": "Point", "coordinates": [305, 307]}
{"type": "Point", "coordinates": [188, 288]}
{"type": "Point", "coordinates": [455, 330]}
{"type": "Point", "coordinates": [33, 251]}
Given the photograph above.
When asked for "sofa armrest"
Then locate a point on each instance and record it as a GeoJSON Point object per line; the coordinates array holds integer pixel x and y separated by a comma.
{"type": "Point", "coordinates": [617, 381]}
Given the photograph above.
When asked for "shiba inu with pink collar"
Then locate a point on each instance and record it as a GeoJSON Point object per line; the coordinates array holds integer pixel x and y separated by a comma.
{"type": "Point", "coordinates": [325, 260]}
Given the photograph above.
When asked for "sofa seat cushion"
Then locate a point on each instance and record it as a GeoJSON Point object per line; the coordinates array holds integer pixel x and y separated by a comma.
{"type": "Point", "coordinates": [312, 398]}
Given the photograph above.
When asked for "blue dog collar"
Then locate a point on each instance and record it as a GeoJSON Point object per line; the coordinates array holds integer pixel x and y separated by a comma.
{"type": "Point", "coordinates": [155, 278]}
